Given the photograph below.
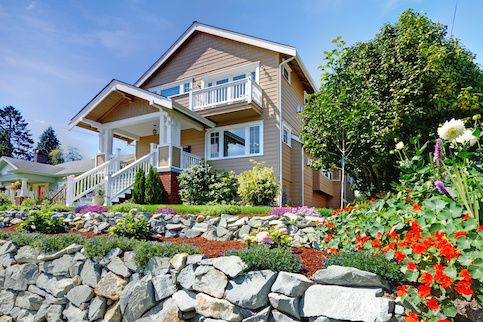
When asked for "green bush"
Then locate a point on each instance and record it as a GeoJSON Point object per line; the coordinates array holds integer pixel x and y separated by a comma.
{"type": "Point", "coordinates": [144, 251]}
{"type": "Point", "coordinates": [44, 243]}
{"type": "Point", "coordinates": [132, 226]}
{"type": "Point", "coordinates": [260, 257]}
{"type": "Point", "coordinates": [43, 222]}
{"type": "Point", "coordinates": [363, 260]}
{"type": "Point", "coordinates": [29, 203]}
{"type": "Point", "coordinates": [139, 192]}
{"type": "Point", "coordinates": [223, 188]}
{"type": "Point", "coordinates": [153, 189]}
{"type": "Point", "coordinates": [98, 247]}
{"type": "Point", "coordinates": [57, 208]}
{"type": "Point", "coordinates": [222, 210]}
{"type": "Point", "coordinates": [258, 186]}
{"type": "Point", "coordinates": [5, 200]}
{"type": "Point", "coordinates": [325, 212]}
{"type": "Point", "coordinates": [124, 207]}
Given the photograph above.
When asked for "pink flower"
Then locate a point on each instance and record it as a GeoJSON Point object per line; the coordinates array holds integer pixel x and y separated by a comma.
{"type": "Point", "coordinates": [264, 238]}
{"type": "Point", "coordinates": [283, 230]}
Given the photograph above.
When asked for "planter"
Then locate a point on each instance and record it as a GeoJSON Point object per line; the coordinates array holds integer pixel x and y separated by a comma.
{"type": "Point", "coordinates": [98, 200]}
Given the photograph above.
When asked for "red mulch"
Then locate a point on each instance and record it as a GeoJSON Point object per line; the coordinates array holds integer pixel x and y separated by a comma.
{"type": "Point", "coordinates": [211, 248]}
{"type": "Point", "coordinates": [311, 259]}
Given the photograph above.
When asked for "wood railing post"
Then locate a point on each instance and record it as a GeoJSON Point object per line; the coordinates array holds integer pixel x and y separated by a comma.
{"type": "Point", "coordinates": [108, 189]}
{"type": "Point", "coordinates": [69, 191]}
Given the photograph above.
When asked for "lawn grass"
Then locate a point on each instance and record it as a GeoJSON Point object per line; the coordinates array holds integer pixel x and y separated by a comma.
{"type": "Point", "coordinates": [193, 209]}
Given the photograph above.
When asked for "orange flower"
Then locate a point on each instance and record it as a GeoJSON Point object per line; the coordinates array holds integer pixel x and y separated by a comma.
{"type": "Point", "coordinates": [433, 304]}
{"type": "Point", "coordinates": [329, 224]}
{"type": "Point", "coordinates": [465, 275]}
{"type": "Point", "coordinates": [445, 320]}
{"type": "Point", "coordinates": [411, 266]}
{"type": "Point", "coordinates": [426, 278]}
{"type": "Point", "coordinates": [387, 248]}
{"type": "Point", "coordinates": [424, 291]}
{"type": "Point", "coordinates": [408, 190]}
{"type": "Point", "coordinates": [439, 235]}
{"type": "Point", "coordinates": [372, 200]}
{"type": "Point", "coordinates": [399, 256]}
{"type": "Point", "coordinates": [402, 289]}
{"type": "Point", "coordinates": [328, 238]}
{"type": "Point", "coordinates": [442, 279]}
{"type": "Point", "coordinates": [376, 243]}
{"type": "Point", "coordinates": [416, 207]}
{"type": "Point", "coordinates": [447, 250]}
{"type": "Point", "coordinates": [459, 234]}
{"type": "Point", "coordinates": [419, 248]}
{"type": "Point", "coordinates": [438, 267]}
{"type": "Point", "coordinates": [465, 217]}
{"type": "Point", "coordinates": [411, 317]}
{"type": "Point", "coordinates": [464, 288]}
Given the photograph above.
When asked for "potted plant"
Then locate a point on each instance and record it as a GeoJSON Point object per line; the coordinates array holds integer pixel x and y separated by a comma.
{"type": "Point", "coordinates": [15, 185]}
{"type": "Point", "coordinates": [99, 197]}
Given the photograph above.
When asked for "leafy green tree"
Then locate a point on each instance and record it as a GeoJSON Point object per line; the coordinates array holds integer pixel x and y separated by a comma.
{"type": "Point", "coordinates": [138, 192]}
{"type": "Point", "coordinates": [56, 156]}
{"type": "Point", "coordinates": [405, 82]}
{"type": "Point", "coordinates": [154, 190]}
{"type": "Point", "coordinates": [16, 139]}
{"type": "Point", "coordinates": [72, 154]}
{"type": "Point", "coordinates": [48, 142]}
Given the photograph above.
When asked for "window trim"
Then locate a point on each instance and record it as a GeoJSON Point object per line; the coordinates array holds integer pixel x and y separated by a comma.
{"type": "Point", "coordinates": [180, 84]}
{"type": "Point", "coordinates": [221, 129]}
{"type": "Point", "coordinates": [232, 72]}
{"type": "Point", "coordinates": [289, 73]}
{"type": "Point", "coordinates": [287, 128]}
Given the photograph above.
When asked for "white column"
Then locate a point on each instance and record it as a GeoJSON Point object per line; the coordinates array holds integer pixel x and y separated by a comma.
{"type": "Point", "coordinates": [108, 136]}
{"type": "Point", "coordinates": [175, 132]}
{"type": "Point", "coordinates": [162, 130]}
{"type": "Point", "coordinates": [24, 188]}
{"type": "Point", "coordinates": [102, 141]}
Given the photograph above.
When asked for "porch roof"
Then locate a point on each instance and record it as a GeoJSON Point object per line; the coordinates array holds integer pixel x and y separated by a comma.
{"type": "Point", "coordinates": [110, 95]}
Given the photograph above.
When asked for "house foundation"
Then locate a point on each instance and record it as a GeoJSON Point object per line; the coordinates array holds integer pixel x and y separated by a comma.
{"type": "Point", "coordinates": [170, 183]}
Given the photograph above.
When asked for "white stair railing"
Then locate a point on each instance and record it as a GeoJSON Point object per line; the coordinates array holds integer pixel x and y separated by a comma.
{"type": "Point", "coordinates": [123, 179]}
{"type": "Point", "coordinates": [188, 160]}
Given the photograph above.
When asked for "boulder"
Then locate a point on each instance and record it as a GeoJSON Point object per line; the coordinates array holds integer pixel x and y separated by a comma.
{"type": "Point", "coordinates": [61, 265]}
{"type": "Point", "coordinates": [345, 303]}
{"type": "Point", "coordinates": [72, 313]}
{"type": "Point", "coordinates": [285, 304]}
{"type": "Point", "coordinates": [56, 286]}
{"type": "Point", "coordinates": [26, 254]}
{"type": "Point", "coordinates": [29, 301]}
{"type": "Point", "coordinates": [185, 300]}
{"type": "Point", "coordinates": [113, 313]}
{"type": "Point", "coordinates": [157, 266]}
{"type": "Point", "coordinates": [18, 277]}
{"type": "Point", "coordinates": [217, 308]}
{"type": "Point", "coordinates": [130, 262]}
{"type": "Point", "coordinates": [251, 290]}
{"type": "Point", "coordinates": [230, 265]}
{"type": "Point", "coordinates": [7, 301]}
{"type": "Point", "coordinates": [117, 266]}
{"type": "Point", "coordinates": [80, 294]}
{"type": "Point", "coordinates": [349, 276]}
{"type": "Point", "coordinates": [168, 311]}
{"type": "Point", "coordinates": [261, 316]}
{"type": "Point", "coordinates": [7, 247]}
{"type": "Point", "coordinates": [186, 278]}
{"type": "Point", "coordinates": [291, 284]}
{"type": "Point", "coordinates": [163, 286]}
{"type": "Point", "coordinates": [90, 273]}
{"type": "Point", "coordinates": [137, 298]}
{"type": "Point", "coordinates": [54, 313]}
{"type": "Point", "coordinates": [97, 308]}
{"type": "Point", "coordinates": [213, 282]}
{"type": "Point", "coordinates": [280, 317]}
{"type": "Point", "coordinates": [68, 250]}
{"type": "Point", "coordinates": [110, 286]}
{"type": "Point", "coordinates": [179, 261]}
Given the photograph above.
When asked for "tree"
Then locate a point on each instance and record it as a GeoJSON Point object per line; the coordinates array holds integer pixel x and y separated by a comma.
{"type": "Point", "coordinates": [138, 192]}
{"type": "Point", "coordinates": [16, 138]}
{"type": "Point", "coordinates": [56, 156]}
{"type": "Point", "coordinates": [48, 142]}
{"type": "Point", "coordinates": [72, 154]}
{"type": "Point", "coordinates": [403, 83]}
{"type": "Point", "coordinates": [154, 190]}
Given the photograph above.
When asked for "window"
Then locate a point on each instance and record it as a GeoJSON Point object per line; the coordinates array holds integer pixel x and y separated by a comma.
{"type": "Point", "coordinates": [232, 75]}
{"type": "Point", "coordinates": [235, 141]}
{"type": "Point", "coordinates": [287, 135]}
{"type": "Point", "coordinates": [286, 70]}
{"type": "Point", "coordinates": [172, 89]}
{"type": "Point", "coordinates": [299, 108]}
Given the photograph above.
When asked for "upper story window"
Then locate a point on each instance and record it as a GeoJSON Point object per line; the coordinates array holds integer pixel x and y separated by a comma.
{"type": "Point", "coordinates": [234, 141]}
{"type": "Point", "coordinates": [231, 75]}
{"type": "Point", "coordinates": [286, 71]}
{"type": "Point", "coordinates": [287, 135]}
{"type": "Point", "coordinates": [173, 89]}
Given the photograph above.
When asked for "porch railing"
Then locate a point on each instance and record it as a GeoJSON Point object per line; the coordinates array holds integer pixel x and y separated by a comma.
{"type": "Point", "coordinates": [188, 160]}
{"type": "Point", "coordinates": [244, 90]}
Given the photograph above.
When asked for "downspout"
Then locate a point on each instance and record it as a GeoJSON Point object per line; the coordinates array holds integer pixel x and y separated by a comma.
{"type": "Point", "coordinates": [281, 125]}
{"type": "Point", "coordinates": [303, 172]}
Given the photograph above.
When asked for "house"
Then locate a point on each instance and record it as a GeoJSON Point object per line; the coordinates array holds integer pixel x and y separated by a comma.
{"type": "Point", "coordinates": [216, 95]}
{"type": "Point", "coordinates": [38, 180]}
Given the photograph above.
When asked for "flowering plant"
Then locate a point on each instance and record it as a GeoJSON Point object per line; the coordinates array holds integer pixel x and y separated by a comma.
{"type": "Point", "coordinates": [90, 208]}
{"type": "Point", "coordinates": [166, 211]}
{"type": "Point", "coordinates": [275, 236]}
{"type": "Point", "coordinates": [303, 211]}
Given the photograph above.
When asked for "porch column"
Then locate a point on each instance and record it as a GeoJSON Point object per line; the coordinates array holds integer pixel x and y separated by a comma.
{"type": "Point", "coordinates": [163, 130]}
{"type": "Point", "coordinates": [24, 188]}
{"type": "Point", "coordinates": [108, 136]}
{"type": "Point", "coordinates": [175, 132]}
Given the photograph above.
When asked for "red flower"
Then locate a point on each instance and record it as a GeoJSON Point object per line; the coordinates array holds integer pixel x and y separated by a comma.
{"type": "Point", "coordinates": [376, 243]}
{"type": "Point", "coordinates": [408, 190]}
{"type": "Point", "coordinates": [419, 248]}
{"type": "Point", "coordinates": [442, 279]}
{"type": "Point", "coordinates": [387, 248]}
{"type": "Point", "coordinates": [445, 320]}
{"type": "Point", "coordinates": [402, 289]}
{"type": "Point", "coordinates": [465, 275]}
{"type": "Point", "coordinates": [399, 256]}
{"type": "Point", "coordinates": [372, 200]}
{"type": "Point", "coordinates": [329, 224]}
{"type": "Point", "coordinates": [433, 304]}
{"type": "Point", "coordinates": [459, 234]}
{"type": "Point", "coordinates": [465, 217]}
{"type": "Point", "coordinates": [416, 207]}
{"type": "Point", "coordinates": [438, 267]}
{"type": "Point", "coordinates": [328, 238]}
{"type": "Point", "coordinates": [464, 288]}
{"type": "Point", "coordinates": [447, 250]}
{"type": "Point", "coordinates": [439, 235]}
{"type": "Point", "coordinates": [411, 266]}
{"type": "Point", "coordinates": [424, 291]}
{"type": "Point", "coordinates": [426, 278]}
{"type": "Point", "coordinates": [411, 317]}
{"type": "Point", "coordinates": [480, 228]}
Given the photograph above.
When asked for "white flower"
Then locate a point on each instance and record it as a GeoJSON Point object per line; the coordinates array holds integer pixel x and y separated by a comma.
{"type": "Point", "coordinates": [452, 129]}
{"type": "Point", "coordinates": [400, 145]}
{"type": "Point", "coordinates": [467, 138]}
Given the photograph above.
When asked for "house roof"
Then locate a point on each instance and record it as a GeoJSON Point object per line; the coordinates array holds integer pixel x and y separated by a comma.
{"type": "Point", "coordinates": [59, 170]}
{"type": "Point", "coordinates": [152, 98]}
{"type": "Point", "coordinates": [232, 35]}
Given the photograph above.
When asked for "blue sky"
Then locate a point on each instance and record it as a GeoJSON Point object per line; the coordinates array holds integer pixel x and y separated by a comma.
{"type": "Point", "coordinates": [56, 55]}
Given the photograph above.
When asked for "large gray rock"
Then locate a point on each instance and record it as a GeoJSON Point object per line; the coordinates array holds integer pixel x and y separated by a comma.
{"type": "Point", "coordinates": [217, 308]}
{"type": "Point", "coordinates": [110, 286]}
{"type": "Point", "coordinates": [7, 247]}
{"type": "Point", "coordinates": [278, 316]}
{"type": "Point", "coordinates": [74, 314]}
{"type": "Point", "coordinates": [285, 304]}
{"type": "Point", "coordinates": [113, 313]}
{"type": "Point", "coordinates": [251, 290]}
{"type": "Point", "coordinates": [230, 265]}
{"type": "Point", "coordinates": [186, 277]}
{"type": "Point", "coordinates": [56, 286]}
{"type": "Point", "coordinates": [7, 301]}
{"type": "Point", "coordinates": [90, 273]}
{"type": "Point", "coordinates": [7, 259]}
{"type": "Point", "coordinates": [26, 254]}
{"type": "Point", "coordinates": [168, 311]}
{"type": "Point", "coordinates": [130, 262]}
{"type": "Point", "coordinates": [163, 286]}
{"type": "Point", "coordinates": [97, 308]}
{"type": "Point", "coordinates": [291, 284]}
{"type": "Point", "coordinates": [18, 277]}
{"type": "Point", "coordinates": [117, 266]}
{"type": "Point", "coordinates": [185, 300]}
{"type": "Point", "coordinates": [157, 266]}
{"type": "Point", "coordinates": [261, 316]}
{"type": "Point", "coordinates": [345, 303]}
{"type": "Point", "coordinates": [179, 261]}
{"type": "Point", "coordinates": [29, 301]}
{"type": "Point", "coordinates": [80, 294]}
{"type": "Point", "coordinates": [68, 250]}
{"type": "Point", "coordinates": [137, 298]}
{"type": "Point", "coordinates": [54, 313]}
{"type": "Point", "coordinates": [348, 276]}
{"type": "Point", "coordinates": [61, 265]}
{"type": "Point", "coordinates": [213, 282]}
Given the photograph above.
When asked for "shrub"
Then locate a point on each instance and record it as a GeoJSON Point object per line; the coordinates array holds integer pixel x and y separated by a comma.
{"type": "Point", "coordinates": [5, 200]}
{"type": "Point", "coordinates": [29, 203]}
{"type": "Point", "coordinates": [223, 188]}
{"type": "Point", "coordinates": [43, 222]}
{"type": "Point", "coordinates": [91, 208]}
{"type": "Point", "coordinates": [138, 191]}
{"type": "Point", "coordinates": [260, 257]}
{"type": "Point", "coordinates": [124, 207]}
{"type": "Point", "coordinates": [153, 190]}
{"type": "Point", "coordinates": [98, 247]}
{"type": "Point", "coordinates": [59, 208]}
{"type": "Point", "coordinates": [222, 210]}
{"type": "Point", "coordinates": [257, 186]}
{"type": "Point", "coordinates": [366, 261]}
{"type": "Point", "coordinates": [275, 236]}
{"type": "Point", "coordinates": [144, 251]}
{"type": "Point", "coordinates": [326, 212]}
{"type": "Point", "coordinates": [132, 227]}
{"type": "Point", "coordinates": [166, 211]}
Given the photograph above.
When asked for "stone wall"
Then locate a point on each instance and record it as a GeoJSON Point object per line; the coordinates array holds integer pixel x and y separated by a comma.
{"type": "Point", "coordinates": [66, 286]}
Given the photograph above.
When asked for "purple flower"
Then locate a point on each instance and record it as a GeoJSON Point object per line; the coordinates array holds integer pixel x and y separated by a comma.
{"type": "Point", "coordinates": [93, 208]}
{"type": "Point", "coordinates": [79, 208]}
{"type": "Point", "coordinates": [438, 153]}
{"type": "Point", "coordinates": [264, 238]}
{"type": "Point", "coordinates": [303, 211]}
{"type": "Point", "coordinates": [166, 211]}
{"type": "Point", "coordinates": [441, 188]}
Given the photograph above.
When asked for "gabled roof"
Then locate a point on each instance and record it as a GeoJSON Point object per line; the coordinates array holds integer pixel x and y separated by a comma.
{"type": "Point", "coordinates": [59, 170]}
{"type": "Point", "coordinates": [232, 35]}
{"type": "Point", "coordinates": [152, 98]}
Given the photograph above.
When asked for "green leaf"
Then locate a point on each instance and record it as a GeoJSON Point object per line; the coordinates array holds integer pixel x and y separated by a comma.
{"type": "Point", "coordinates": [450, 311]}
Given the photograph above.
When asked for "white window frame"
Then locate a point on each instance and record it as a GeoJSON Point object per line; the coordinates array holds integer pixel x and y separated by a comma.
{"type": "Point", "coordinates": [159, 88]}
{"type": "Point", "coordinates": [221, 142]}
{"type": "Point", "coordinates": [289, 73]}
{"type": "Point", "coordinates": [230, 73]}
{"type": "Point", "coordinates": [289, 135]}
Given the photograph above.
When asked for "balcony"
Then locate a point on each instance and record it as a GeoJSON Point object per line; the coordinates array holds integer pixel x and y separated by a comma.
{"type": "Point", "coordinates": [239, 98]}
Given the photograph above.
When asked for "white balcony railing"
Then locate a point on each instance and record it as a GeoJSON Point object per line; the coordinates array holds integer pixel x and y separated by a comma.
{"type": "Point", "coordinates": [189, 159]}
{"type": "Point", "coordinates": [244, 90]}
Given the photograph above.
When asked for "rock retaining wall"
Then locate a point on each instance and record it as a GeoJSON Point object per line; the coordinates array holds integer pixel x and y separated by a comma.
{"type": "Point", "coordinates": [66, 286]}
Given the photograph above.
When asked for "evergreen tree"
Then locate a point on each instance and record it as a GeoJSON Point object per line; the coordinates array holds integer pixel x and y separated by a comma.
{"type": "Point", "coordinates": [56, 156]}
{"type": "Point", "coordinates": [154, 190]}
{"type": "Point", "coordinates": [138, 191]}
{"type": "Point", "coordinates": [72, 154]}
{"type": "Point", "coordinates": [15, 139]}
{"type": "Point", "coordinates": [48, 142]}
